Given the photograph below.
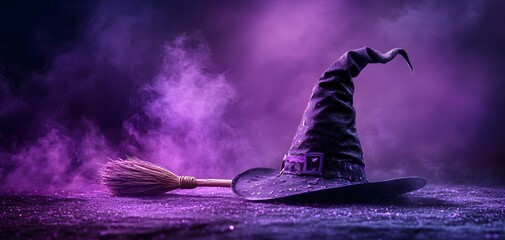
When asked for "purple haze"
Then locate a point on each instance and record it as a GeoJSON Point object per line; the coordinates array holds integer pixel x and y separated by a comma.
{"type": "Point", "coordinates": [215, 88]}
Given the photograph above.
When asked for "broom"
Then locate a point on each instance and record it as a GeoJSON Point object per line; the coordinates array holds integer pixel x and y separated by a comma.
{"type": "Point", "coordinates": [132, 176]}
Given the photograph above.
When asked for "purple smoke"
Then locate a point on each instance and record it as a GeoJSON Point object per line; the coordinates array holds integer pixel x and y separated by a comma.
{"type": "Point", "coordinates": [216, 89]}
{"type": "Point", "coordinates": [189, 106]}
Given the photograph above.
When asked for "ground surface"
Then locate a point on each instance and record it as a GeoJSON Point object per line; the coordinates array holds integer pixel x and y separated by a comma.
{"type": "Point", "coordinates": [435, 212]}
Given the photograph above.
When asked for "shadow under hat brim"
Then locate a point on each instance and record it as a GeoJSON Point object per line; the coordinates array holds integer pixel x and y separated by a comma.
{"type": "Point", "coordinates": [264, 184]}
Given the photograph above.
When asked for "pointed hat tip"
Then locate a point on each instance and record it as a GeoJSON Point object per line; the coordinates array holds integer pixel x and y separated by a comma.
{"type": "Point", "coordinates": [404, 54]}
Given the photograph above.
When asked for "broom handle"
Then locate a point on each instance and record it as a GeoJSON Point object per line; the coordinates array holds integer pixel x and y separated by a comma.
{"type": "Point", "coordinates": [213, 182]}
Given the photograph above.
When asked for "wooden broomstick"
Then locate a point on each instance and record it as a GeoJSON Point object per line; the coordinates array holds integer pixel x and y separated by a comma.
{"type": "Point", "coordinates": [132, 176]}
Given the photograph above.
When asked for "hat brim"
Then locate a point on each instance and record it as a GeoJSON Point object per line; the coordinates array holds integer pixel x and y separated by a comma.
{"type": "Point", "coordinates": [264, 184]}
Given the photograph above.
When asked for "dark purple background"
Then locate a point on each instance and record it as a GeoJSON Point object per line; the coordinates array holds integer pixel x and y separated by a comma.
{"type": "Point", "coordinates": [211, 88]}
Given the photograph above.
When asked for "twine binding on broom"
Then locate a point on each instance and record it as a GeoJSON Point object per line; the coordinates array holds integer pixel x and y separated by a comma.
{"type": "Point", "coordinates": [187, 182]}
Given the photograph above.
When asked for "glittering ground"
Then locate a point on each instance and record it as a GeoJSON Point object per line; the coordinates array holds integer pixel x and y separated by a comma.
{"type": "Point", "coordinates": [435, 212]}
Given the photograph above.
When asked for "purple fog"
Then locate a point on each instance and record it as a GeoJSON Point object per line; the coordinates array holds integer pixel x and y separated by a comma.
{"type": "Point", "coordinates": [213, 88]}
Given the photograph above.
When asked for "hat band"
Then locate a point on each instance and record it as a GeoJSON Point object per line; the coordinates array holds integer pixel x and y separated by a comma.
{"type": "Point", "coordinates": [312, 164]}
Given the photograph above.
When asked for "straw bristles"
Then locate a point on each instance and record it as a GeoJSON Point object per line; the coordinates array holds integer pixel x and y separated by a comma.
{"type": "Point", "coordinates": [132, 176]}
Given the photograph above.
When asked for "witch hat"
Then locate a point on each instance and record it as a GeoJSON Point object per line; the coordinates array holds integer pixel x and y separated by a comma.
{"type": "Point", "coordinates": [325, 158]}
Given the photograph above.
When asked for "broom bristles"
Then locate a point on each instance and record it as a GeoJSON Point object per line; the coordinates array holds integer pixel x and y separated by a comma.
{"type": "Point", "coordinates": [132, 176]}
